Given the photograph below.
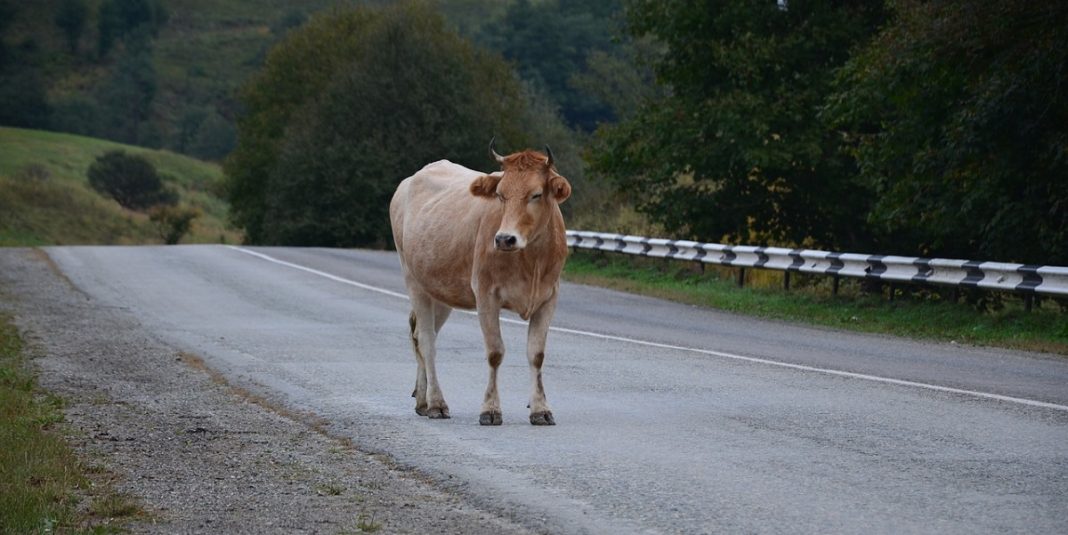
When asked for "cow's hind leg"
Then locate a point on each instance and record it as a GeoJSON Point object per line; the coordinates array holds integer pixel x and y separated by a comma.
{"type": "Point", "coordinates": [420, 375]}
{"type": "Point", "coordinates": [424, 332]}
{"type": "Point", "coordinates": [441, 313]}
{"type": "Point", "coordinates": [537, 331]}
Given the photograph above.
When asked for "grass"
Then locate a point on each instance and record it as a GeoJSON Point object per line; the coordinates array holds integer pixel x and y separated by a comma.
{"type": "Point", "coordinates": [38, 471]}
{"type": "Point", "coordinates": [921, 314]}
{"type": "Point", "coordinates": [45, 198]}
{"type": "Point", "coordinates": [41, 479]}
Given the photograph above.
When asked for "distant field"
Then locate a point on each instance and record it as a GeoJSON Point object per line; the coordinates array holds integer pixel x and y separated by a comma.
{"type": "Point", "coordinates": [45, 198]}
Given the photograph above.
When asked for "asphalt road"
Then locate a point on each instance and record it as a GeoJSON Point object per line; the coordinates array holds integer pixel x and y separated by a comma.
{"type": "Point", "coordinates": [669, 418]}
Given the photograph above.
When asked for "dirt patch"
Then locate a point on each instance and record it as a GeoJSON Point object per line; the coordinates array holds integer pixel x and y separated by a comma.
{"type": "Point", "coordinates": [199, 454]}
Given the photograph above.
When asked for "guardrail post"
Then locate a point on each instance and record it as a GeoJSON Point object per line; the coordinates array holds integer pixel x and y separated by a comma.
{"type": "Point", "coordinates": [786, 280]}
{"type": "Point", "coordinates": [741, 277]}
{"type": "Point", "coordinates": [834, 285]}
{"type": "Point", "coordinates": [893, 288]}
{"type": "Point", "coordinates": [1029, 300]}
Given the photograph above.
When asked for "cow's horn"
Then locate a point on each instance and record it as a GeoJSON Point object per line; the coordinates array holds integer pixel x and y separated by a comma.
{"type": "Point", "coordinates": [498, 157]}
{"type": "Point", "coordinates": [549, 153]}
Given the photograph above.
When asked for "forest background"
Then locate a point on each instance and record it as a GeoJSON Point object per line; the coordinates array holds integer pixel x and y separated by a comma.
{"type": "Point", "coordinates": [932, 128]}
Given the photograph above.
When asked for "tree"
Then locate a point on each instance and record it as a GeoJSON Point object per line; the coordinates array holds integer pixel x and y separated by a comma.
{"type": "Point", "coordinates": [549, 42]}
{"type": "Point", "coordinates": [957, 115]}
{"type": "Point", "coordinates": [126, 98]}
{"type": "Point", "coordinates": [350, 104]}
{"type": "Point", "coordinates": [734, 150]}
{"type": "Point", "coordinates": [215, 138]}
{"type": "Point", "coordinates": [23, 86]}
{"type": "Point", "coordinates": [126, 19]}
{"type": "Point", "coordinates": [129, 179]}
{"type": "Point", "coordinates": [70, 18]}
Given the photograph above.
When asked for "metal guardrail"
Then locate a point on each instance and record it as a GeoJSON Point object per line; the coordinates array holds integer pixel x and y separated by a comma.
{"type": "Point", "coordinates": [1024, 278]}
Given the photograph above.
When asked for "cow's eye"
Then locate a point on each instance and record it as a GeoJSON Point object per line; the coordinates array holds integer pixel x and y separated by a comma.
{"type": "Point", "coordinates": [535, 197]}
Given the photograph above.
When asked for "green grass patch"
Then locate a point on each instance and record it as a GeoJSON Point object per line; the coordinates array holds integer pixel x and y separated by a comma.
{"type": "Point", "coordinates": [916, 314]}
{"type": "Point", "coordinates": [41, 479]}
{"type": "Point", "coordinates": [38, 472]}
{"type": "Point", "coordinates": [45, 198]}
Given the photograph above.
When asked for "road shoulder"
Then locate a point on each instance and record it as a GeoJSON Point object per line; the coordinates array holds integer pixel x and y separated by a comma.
{"type": "Point", "coordinates": [201, 455]}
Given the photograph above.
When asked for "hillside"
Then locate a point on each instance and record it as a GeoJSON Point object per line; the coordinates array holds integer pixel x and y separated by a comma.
{"type": "Point", "coordinates": [176, 90]}
{"type": "Point", "coordinates": [171, 80]}
{"type": "Point", "coordinates": [45, 197]}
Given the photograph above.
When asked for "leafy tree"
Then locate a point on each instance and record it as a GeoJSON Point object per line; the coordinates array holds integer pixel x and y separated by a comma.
{"type": "Point", "coordinates": [549, 42]}
{"type": "Point", "coordinates": [129, 179]}
{"type": "Point", "coordinates": [215, 137]}
{"type": "Point", "coordinates": [733, 149]}
{"type": "Point", "coordinates": [22, 86]}
{"type": "Point", "coordinates": [77, 114]}
{"type": "Point", "coordinates": [957, 115]}
{"type": "Point", "coordinates": [188, 127]}
{"type": "Point", "coordinates": [125, 99]}
{"type": "Point", "coordinates": [350, 104]}
{"type": "Point", "coordinates": [128, 19]}
{"type": "Point", "coordinates": [71, 17]}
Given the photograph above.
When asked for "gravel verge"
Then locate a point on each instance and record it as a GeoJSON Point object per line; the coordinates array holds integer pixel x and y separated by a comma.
{"type": "Point", "coordinates": [200, 455]}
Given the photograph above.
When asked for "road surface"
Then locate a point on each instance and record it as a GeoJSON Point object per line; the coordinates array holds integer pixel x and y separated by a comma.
{"type": "Point", "coordinates": [670, 418]}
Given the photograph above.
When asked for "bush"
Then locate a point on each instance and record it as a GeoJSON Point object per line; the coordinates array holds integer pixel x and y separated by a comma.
{"type": "Point", "coordinates": [131, 180]}
{"type": "Point", "coordinates": [172, 222]}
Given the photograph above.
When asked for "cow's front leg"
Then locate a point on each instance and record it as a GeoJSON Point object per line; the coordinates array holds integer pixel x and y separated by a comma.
{"type": "Point", "coordinates": [489, 318]}
{"type": "Point", "coordinates": [536, 334]}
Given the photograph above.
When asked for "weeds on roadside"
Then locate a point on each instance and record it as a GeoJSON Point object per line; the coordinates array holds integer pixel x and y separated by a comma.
{"type": "Point", "coordinates": [919, 312]}
{"type": "Point", "coordinates": [364, 524]}
{"type": "Point", "coordinates": [40, 477]}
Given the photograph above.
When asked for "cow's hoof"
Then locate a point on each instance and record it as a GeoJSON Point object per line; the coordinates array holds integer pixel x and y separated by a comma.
{"type": "Point", "coordinates": [420, 410]}
{"type": "Point", "coordinates": [490, 418]}
{"type": "Point", "coordinates": [542, 418]}
{"type": "Point", "coordinates": [438, 413]}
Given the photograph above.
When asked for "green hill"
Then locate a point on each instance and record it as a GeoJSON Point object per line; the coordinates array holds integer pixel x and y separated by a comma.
{"type": "Point", "coordinates": [177, 91]}
{"type": "Point", "coordinates": [45, 198]}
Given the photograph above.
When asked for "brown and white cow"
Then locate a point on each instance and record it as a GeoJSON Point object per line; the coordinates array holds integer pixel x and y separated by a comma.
{"type": "Point", "coordinates": [481, 241]}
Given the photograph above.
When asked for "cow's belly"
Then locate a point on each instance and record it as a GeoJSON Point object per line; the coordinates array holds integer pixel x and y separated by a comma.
{"type": "Point", "coordinates": [454, 297]}
{"type": "Point", "coordinates": [443, 282]}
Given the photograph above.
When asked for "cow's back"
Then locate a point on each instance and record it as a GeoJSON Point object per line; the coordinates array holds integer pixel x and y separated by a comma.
{"type": "Point", "coordinates": [435, 222]}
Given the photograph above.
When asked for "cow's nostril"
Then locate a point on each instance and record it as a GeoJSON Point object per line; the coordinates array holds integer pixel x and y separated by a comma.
{"type": "Point", "coordinates": [505, 240]}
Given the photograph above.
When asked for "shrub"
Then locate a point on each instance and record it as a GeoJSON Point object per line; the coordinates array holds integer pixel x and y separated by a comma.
{"type": "Point", "coordinates": [172, 222]}
{"type": "Point", "coordinates": [129, 179]}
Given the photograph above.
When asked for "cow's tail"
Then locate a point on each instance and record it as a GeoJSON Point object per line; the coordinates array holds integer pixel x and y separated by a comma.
{"type": "Point", "coordinates": [415, 342]}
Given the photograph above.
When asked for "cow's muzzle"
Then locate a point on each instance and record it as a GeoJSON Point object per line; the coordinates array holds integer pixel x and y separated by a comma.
{"type": "Point", "coordinates": [506, 242]}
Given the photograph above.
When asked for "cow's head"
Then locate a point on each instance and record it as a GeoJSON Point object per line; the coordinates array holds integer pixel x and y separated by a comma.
{"type": "Point", "coordinates": [528, 189]}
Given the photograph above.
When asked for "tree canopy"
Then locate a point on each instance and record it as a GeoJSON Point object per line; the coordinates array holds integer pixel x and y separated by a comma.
{"type": "Point", "coordinates": [905, 127]}
{"type": "Point", "coordinates": [957, 116]}
{"type": "Point", "coordinates": [733, 150]}
{"type": "Point", "coordinates": [349, 105]}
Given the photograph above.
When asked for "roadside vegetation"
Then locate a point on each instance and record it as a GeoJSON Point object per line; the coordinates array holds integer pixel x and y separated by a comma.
{"type": "Point", "coordinates": [915, 312]}
{"type": "Point", "coordinates": [46, 197]}
{"type": "Point", "coordinates": [44, 488]}
{"type": "Point", "coordinates": [877, 126]}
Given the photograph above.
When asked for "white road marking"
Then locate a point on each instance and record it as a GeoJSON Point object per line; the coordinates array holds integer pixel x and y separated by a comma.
{"type": "Point", "coordinates": [721, 354]}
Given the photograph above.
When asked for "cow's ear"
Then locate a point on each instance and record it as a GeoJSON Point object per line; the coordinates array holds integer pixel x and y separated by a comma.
{"type": "Point", "coordinates": [485, 185]}
{"type": "Point", "coordinates": [559, 187]}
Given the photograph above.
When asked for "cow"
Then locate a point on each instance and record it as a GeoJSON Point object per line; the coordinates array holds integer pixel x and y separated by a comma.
{"type": "Point", "coordinates": [487, 242]}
